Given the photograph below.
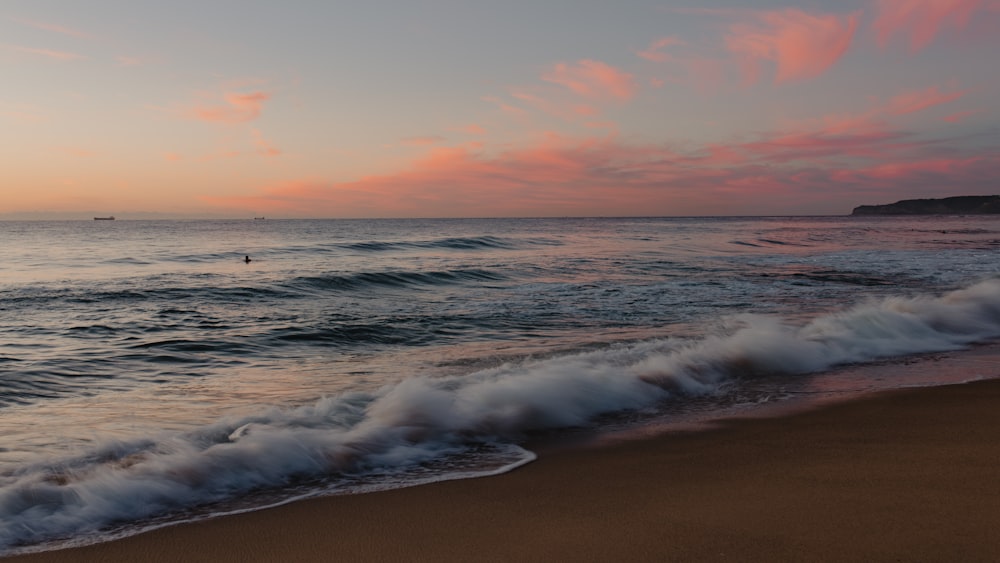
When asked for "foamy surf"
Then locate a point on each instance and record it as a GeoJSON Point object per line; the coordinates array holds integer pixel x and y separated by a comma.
{"type": "Point", "coordinates": [362, 437]}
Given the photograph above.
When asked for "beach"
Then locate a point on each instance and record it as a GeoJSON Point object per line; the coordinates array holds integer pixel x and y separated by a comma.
{"type": "Point", "coordinates": [907, 475]}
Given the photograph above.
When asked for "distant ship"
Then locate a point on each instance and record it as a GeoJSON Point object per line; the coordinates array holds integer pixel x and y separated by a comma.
{"type": "Point", "coordinates": [109, 218]}
{"type": "Point", "coordinates": [258, 218]}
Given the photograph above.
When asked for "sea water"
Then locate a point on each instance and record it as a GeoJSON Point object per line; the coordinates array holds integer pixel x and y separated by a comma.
{"type": "Point", "coordinates": [149, 375]}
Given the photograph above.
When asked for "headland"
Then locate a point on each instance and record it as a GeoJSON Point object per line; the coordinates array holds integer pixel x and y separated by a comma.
{"type": "Point", "coordinates": [958, 205]}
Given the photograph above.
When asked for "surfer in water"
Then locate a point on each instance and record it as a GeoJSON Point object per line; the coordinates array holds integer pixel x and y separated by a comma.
{"type": "Point", "coordinates": [246, 259]}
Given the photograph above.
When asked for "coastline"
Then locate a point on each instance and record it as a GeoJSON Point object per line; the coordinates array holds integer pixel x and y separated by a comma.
{"type": "Point", "coordinates": [904, 474]}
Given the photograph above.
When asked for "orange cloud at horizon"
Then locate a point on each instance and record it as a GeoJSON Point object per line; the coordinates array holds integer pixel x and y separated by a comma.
{"type": "Point", "coordinates": [776, 173]}
{"type": "Point", "coordinates": [546, 179]}
{"type": "Point", "coordinates": [802, 45]}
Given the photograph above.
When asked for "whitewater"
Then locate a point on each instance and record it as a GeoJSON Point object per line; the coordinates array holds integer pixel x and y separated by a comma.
{"type": "Point", "coordinates": [149, 376]}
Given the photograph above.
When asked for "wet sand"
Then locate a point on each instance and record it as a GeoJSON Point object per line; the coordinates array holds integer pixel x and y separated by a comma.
{"type": "Point", "coordinates": [910, 475]}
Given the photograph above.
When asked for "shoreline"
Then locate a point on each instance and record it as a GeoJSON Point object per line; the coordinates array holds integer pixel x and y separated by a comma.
{"type": "Point", "coordinates": [904, 474]}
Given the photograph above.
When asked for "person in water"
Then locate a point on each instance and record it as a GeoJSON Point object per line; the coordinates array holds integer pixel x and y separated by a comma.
{"type": "Point", "coordinates": [246, 259]}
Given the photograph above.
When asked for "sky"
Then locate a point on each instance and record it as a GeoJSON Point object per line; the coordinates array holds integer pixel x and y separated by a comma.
{"type": "Point", "coordinates": [474, 108]}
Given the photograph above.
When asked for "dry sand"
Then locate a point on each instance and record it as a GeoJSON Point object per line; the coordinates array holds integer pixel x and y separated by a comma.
{"type": "Point", "coordinates": [908, 475]}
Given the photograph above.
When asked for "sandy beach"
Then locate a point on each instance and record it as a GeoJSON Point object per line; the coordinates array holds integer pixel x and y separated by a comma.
{"type": "Point", "coordinates": [905, 475]}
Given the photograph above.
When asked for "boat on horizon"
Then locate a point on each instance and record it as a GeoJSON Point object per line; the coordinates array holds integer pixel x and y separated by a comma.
{"type": "Point", "coordinates": [108, 218]}
{"type": "Point", "coordinates": [258, 218]}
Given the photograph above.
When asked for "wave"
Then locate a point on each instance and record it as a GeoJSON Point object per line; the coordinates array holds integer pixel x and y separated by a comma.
{"type": "Point", "coordinates": [454, 243]}
{"type": "Point", "coordinates": [827, 276]}
{"type": "Point", "coordinates": [958, 231]}
{"type": "Point", "coordinates": [27, 382]}
{"type": "Point", "coordinates": [421, 419]}
{"type": "Point", "coordinates": [766, 242]}
{"type": "Point", "coordinates": [485, 242]}
{"type": "Point", "coordinates": [127, 261]}
{"type": "Point", "coordinates": [391, 279]}
{"type": "Point", "coordinates": [131, 292]}
{"type": "Point", "coordinates": [187, 290]}
{"type": "Point", "coordinates": [347, 334]}
{"type": "Point", "coordinates": [397, 330]}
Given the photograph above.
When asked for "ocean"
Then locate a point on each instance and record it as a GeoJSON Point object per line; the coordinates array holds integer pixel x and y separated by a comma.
{"type": "Point", "coordinates": [149, 375]}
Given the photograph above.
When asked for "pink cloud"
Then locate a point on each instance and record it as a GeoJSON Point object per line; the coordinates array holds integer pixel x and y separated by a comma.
{"type": "Point", "coordinates": [706, 74]}
{"type": "Point", "coordinates": [802, 45]}
{"type": "Point", "coordinates": [55, 28]}
{"type": "Point", "coordinates": [922, 20]}
{"type": "Point", "coordinates": [473, 129]}
{"type": "Point", "coordinates": [875, 119]}
{"type": "Point", "coordinates": [52, 54]}
{"type": "Point", "coordinates": [128, 61]}
{"type": "Point", "coordinates": [960, 116]}
{"type": "Point", "coordinates": [264, 147]}
{"type": "Point", "coordinates": [172, 157]}
{"type": "Point", "coordinates": [844, 123]}
{"type": "Point", "coordinates": [721, 154]}
{"type": "Point", "coordinates": [23, 113]}
{"type": "Point", "coordinates": [911, 102]}
{"type": "Point", "coordinates": [821, 146]}
{"type": "Point", "coordinates": [23, 116]}
{"type": "Point", "coordinates": [558, 108]}
{"type": "Point", "coordinates": [237, 108]}
{"type": "Point", "coordinates": [654, 52]}
{"type": "Point", "coordinates": [930, 177]}
{"type": "Point", "coordinates": [504, 106]}
{"type": "Point", "coordinates": [221, 154]}
{"type": "Point", "coordinates": [611, 127]}
{"type": "Point", "coordinates": [593, 80]}
{"type": "Point", "coordinates": [422, 141]}
{"type": "Point", "coordinates": [900, 170]}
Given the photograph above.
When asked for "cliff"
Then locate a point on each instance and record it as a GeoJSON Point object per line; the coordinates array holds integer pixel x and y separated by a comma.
{"type": "Point", "coordinates": [958, 205]}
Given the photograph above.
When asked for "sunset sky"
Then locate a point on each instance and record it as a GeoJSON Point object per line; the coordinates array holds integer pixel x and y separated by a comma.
{"type": "Point", "coordinates": [452, 108]}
